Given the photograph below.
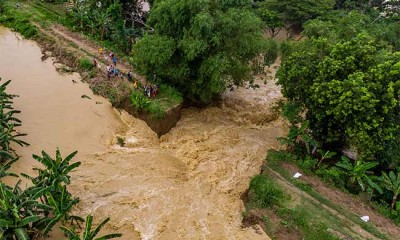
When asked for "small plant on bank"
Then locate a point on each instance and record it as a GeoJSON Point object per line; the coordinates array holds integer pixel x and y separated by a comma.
{"type": "Point", "coordinates": [21, 216]}
{"type": "Point", "coordinates": [391, 182]}
{"type": "Point", "coordinates": [89, 233]}
{"type": "Point", "coordinates": [264, 193]}
{"type": "Point", "coordinates": [5, 167]}
{"type": "Point", "coordinates": [358, 173]}
{"type": "Point", "coordinates": [85, 64]}
{"type": "Point", "coordinates": [138, 100]}
{"type": "Point", "coordinates": [8, 122]}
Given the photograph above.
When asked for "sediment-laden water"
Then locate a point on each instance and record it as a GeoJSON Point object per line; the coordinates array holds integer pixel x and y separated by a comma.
{"type": "Point", "coordinates": [185, 185]}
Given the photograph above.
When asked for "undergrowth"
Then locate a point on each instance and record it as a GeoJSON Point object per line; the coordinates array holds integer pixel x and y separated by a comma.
{"type": "Point", "coordinates": [14, 18]}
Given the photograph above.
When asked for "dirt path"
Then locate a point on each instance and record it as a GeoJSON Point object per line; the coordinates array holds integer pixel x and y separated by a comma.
{"type": "Point", "coordinates": [92, 48]}
{"type": "Point", "coordinates": [83, 47]}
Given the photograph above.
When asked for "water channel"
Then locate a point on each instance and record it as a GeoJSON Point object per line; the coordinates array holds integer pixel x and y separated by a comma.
{"type": "Point", "coordinates": [185, 185]}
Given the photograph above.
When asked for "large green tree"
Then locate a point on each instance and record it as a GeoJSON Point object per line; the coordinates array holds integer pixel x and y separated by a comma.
{"type": "Point", "coordinates": [200, 46]}
{"type": "Point", "coordinates": [295, 13]}
{"type": "Point", "coordinates": [349, 91]}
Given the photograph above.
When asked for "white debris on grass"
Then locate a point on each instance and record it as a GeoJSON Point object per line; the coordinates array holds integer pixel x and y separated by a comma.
{"type": "Point", "coordinates": [365, 218]}
{"type": "Point", "coordinates": [297, 175]}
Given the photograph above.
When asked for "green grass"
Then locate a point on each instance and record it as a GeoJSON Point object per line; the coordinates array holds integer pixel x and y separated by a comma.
{"type": "Point", "coordinates": [310, 221]}
{"type": "Point", "coordinates": [158, 106]}
{"type": "Point", "coordinates": [264, 193]}
{"type": "Point", "coordinates": [21, 19]}
{"type": "Point", "coordinates": [85, 64]}
{"type": "Point", "coordinates": [16, 19]}
{"type": "Point", "coordinates": [274, 161]}
{"type": "Point", "coordinates": [166, 98]}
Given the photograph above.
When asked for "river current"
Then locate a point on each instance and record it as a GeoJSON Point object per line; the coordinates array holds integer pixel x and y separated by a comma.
{"type": "Point", "coordinates": [185, 185]}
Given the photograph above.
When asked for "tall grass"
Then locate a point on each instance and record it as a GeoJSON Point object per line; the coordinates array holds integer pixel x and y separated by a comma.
{"type": "Point", "coordinates": [85, 64]}
{"type": "Point", "coordinates": [264, 192]}
{"type": "Point", "coordinates": [15, 19]}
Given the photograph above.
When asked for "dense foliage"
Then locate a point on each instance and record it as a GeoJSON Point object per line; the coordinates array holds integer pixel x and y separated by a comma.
{"type": "Point", "coordinates": [119, 22]}
{"type": "Point", "coordinates": [342, 84]}
{"type": "Point", "coordinates": [200, 46]}
{"type": "Point", "coordinates": [292, 14]}
{"type": "Point", "coordinates": [350, 91]}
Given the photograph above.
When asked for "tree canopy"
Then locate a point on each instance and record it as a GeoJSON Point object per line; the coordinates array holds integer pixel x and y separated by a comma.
{"type": "Point", "coordinates": [293, 13]}
{"type": "Point", "coordinates": [200, 46]}
{"type": "Point", "coordinates": [348, 89]}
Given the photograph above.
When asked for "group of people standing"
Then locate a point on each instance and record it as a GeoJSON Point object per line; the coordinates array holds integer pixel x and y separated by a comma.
{"type": "Point", "coordinates": [112, 70]}
{"type": "Point", "coordinates": [150, 90]}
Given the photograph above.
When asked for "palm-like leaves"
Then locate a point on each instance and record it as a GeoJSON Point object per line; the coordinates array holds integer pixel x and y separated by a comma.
{"type": "Point", "coordinates": [358, 172]}
{"type": "Point", "coordinates": [56, 171]}
{"type": "Point", "coordinates": [54, 178]}
{"type": "Point", "coordinates": [4, 169]}
{"type": "Point", "coordinates": [19, 213]}
{"type": "Point", "coordinates": [392, 183]}
{"type": "Point", "coordinates": [8, 121]}
{"type": "Point", "coordinates": [88, 233]}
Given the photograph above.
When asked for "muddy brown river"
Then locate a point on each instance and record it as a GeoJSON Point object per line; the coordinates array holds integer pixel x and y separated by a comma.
{"type": "Point", "coordinates": [185, 185]}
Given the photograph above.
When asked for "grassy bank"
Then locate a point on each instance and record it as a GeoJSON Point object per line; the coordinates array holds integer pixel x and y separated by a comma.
{"type": "Point", "coordinates": [285, 206]}
{"type": "Point", "coordinates": [17, 20]}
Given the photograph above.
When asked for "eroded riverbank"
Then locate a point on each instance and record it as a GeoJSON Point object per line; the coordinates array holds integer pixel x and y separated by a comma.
{"type": "Point", "coordinates": [185, 185]}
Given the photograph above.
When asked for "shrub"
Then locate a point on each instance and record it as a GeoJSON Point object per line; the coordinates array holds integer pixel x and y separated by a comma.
{"type": "Point", "coordinates": [138, 100]}
{"type": "Point", "coordinates": [85, 64]}
{"type": "Point", "coordinates": [264, 193]}
{"type": "Point", "coordinates": [307, 164]}
{"type": "Point", "coordinates": [156, 110]}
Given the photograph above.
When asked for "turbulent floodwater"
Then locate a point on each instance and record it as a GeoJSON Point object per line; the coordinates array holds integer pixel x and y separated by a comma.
{"type": "Point", "coordinates": [185, 185]}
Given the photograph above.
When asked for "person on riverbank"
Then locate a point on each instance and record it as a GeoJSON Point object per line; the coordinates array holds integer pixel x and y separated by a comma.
{"type": "Point", "coordinates": [94, 62]}
{"type": "Point", "coordinates": [114, 60]}
{"type": "Point", "coordinates": [130, 76]}
{"type": "Point", "coordinates": [135, 85]}
{"type": "Point", "coordinates": [111, 55]}
{"type": "Point", "coordinates": [101, 51]}
{"type": "Point", "coordinates": [115, 71]}
{"type": "Point", "coordinates": [155, 90]}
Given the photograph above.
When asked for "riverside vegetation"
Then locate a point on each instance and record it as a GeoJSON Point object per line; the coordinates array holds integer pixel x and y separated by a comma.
{"type": "Point", "coordinates": [342, 86]}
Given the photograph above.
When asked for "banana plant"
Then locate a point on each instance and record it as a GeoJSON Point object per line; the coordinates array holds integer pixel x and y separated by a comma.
{"type": "Point", "coordinates": [324, 155]}
{"type": "Point", "coordinates": [5, 167]}
{"type": "Point", "coordinates": [88, 233]}
{"type": "Point", "coordinates": [8, 122]}
{"type": "Point", "coordinates": [20, 214]}
{"type": "Point", "coordinates": [61, 207]}
{"type": "Point", "coordinates": [358, 172]}
{"type": "Point", "coordinates": [56, 170]}
{"type": "Point", "coordinates": [391, 182]}
{"type": "Point", "coordinates": [54, 178]}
